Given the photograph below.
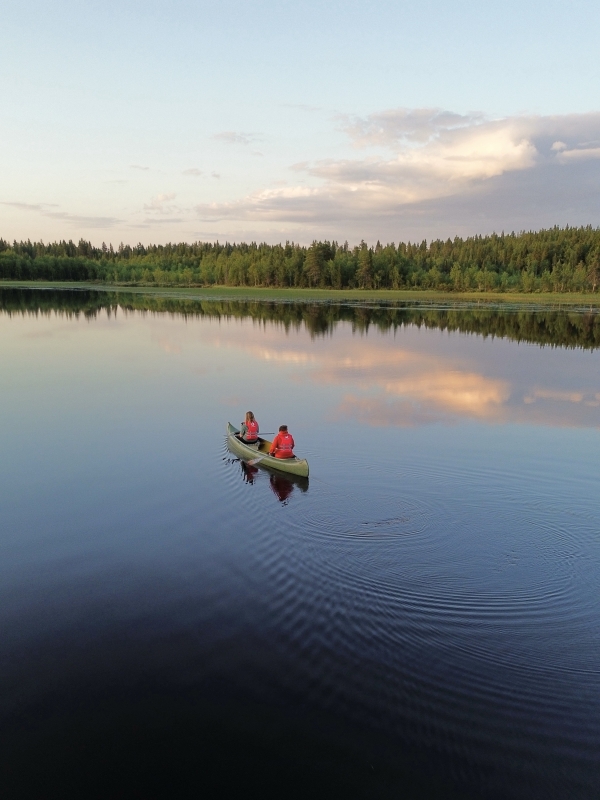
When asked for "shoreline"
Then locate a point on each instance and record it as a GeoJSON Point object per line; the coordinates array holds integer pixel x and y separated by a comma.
{"type": "Point", "coordinates": [404, 296]}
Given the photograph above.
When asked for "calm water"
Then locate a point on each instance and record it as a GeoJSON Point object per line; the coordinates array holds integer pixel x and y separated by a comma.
{"type": "Point", "coordinates": [420, 619]}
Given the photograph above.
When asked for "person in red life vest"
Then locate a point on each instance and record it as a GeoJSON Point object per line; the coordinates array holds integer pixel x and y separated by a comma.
{"type": "Point", "coordinates": [249, 429]}
{"type": "Point", "coordinates": [283, 444]}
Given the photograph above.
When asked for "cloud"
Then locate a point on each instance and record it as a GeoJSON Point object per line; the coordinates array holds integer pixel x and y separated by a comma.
{"type": "Point", "coordinates": [417, 379]}
{"type": "Point", "coordinates": [454, 391]}
{"type": "Point", "coordinates": [420, 386]}
{"type": "Point", "coordinates": [161, 203]}
{"type": "Point", "coordinates": [578, 154]}
{"type": "Point", "coordinates": [440, 164]}
{"type": "Point", "coordinates": [403, 174]}
{"type": "Point", "coordinates": [432, 159]}
{"type": "Point", "coordinates": [25, 206]}
{"type": "Point", "coordinates": [81, 220]}
{"type": "Point", "coordinates": [235, 137]}
{"type": "Point", "coordinates": [405, 125]}
{"type": "Point", "coordinates": [39, 207]}
{"type": "Point", "coordinates": [283, 356]}
{"type": "Point", "coordinates": [560, 396]}
{"type": "Point", "coordinates": [74, 219]}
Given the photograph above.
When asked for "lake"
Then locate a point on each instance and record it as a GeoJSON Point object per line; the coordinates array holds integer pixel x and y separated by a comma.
{"type": "Point", "coordinates": [419, 618]}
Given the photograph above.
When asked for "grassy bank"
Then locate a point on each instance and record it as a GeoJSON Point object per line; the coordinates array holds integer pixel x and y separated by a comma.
{"type": "Point", "coordinates": [552, 299]}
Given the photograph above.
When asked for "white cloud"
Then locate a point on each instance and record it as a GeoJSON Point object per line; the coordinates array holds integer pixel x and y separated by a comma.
{"type": "Point", "coordinates": [429, 156]}
{"type": "Point", "coordinates": [161, 203]}
{"type": "Point", "coordinates": [402, 174]}
{"type": "Point", "coordinates": [436, 168]}
{"type": "Point", "coordinates": [396, 125]}
{"type": "Point", "coordinates": [579, 154]}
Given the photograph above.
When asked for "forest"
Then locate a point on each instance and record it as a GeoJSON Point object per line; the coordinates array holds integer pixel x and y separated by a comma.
{"type": "Point", "coordinates": [551, 327]}
{"type": "Point", "coordinates": [552, 260]}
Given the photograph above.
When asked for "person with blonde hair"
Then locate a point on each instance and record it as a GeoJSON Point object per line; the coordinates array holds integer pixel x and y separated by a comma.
{"type": "Point", "coordinates": [249, 429]}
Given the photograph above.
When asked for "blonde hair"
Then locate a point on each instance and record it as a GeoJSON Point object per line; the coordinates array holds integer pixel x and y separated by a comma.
{"type": "Point", "coordinates": [249, 416]}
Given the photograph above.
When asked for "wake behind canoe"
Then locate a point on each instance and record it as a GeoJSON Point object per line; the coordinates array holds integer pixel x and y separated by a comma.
{"type": "Point", "coordinates": [259, 454]}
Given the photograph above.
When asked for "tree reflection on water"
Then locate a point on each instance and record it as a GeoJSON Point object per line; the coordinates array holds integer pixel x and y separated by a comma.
{"type": "Point", "coordinates": [554, 326]}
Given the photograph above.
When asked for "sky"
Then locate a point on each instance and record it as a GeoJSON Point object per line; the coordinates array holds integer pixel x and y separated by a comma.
{"type": "Point", "coordinates": [271, 121]}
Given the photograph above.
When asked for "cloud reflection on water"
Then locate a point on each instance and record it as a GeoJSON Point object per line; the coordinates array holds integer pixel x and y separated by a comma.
{"type": "Point", "coordinates": [407, 377]}
{"type": "Point", "coordinates": [407, 381]}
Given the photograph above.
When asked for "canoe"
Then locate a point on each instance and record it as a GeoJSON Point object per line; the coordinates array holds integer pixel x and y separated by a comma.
{"type": "Point", "coordinates": [259, 454]}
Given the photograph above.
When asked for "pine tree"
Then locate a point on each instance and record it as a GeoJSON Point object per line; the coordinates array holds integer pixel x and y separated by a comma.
{"type": "Point", "coordinates": [364, 273]}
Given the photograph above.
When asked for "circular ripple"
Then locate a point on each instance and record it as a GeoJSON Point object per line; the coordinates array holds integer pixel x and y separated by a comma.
{"type": "Point", "coordinates": [445, 621]}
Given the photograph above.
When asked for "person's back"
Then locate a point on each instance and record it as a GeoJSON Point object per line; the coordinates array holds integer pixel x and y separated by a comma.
{"type": "Point", "coordinates": [249, 429]}
{"type": "Point", "coordinates": [283, 444]}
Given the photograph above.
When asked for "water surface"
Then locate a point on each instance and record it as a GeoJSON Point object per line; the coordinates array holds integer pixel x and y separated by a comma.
{"type": "Point", "coordinates": [419, 619]}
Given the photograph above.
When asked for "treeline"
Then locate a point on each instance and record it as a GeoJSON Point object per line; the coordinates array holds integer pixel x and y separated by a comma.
{"type": "Point", "coordinates": [553, 260]}
{"type": "Point", "coordinates": [551, 327]}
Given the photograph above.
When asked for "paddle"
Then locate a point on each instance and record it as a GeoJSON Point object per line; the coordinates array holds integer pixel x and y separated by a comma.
{"type": "Point", "coordinates": [254, 461]}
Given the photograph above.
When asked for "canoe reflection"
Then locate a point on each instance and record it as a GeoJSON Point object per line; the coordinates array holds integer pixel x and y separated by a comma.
{"type": "Point", "coordinates": [281, 485]}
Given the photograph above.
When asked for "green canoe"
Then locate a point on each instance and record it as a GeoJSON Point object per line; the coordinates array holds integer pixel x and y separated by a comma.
{"type": "Point", "coordinates": [259, 454]}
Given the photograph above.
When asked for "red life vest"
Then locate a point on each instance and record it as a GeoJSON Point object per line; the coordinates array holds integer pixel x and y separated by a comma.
{"type": "Point", "coordinates": [284, 442]}
{"type": "Point", "coordinates": [251, 431]}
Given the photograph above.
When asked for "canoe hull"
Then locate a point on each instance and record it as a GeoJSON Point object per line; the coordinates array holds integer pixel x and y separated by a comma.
{"type": "Point", "coordinates": [259, 454]}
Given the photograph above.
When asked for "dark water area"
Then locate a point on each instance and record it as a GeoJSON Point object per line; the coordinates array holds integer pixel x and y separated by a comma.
{"type": "Point", "coordinates": [418, 619]}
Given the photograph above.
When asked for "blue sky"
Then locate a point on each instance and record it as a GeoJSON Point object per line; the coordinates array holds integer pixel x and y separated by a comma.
{"type": "Point", "coordinates": [162, 121]}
